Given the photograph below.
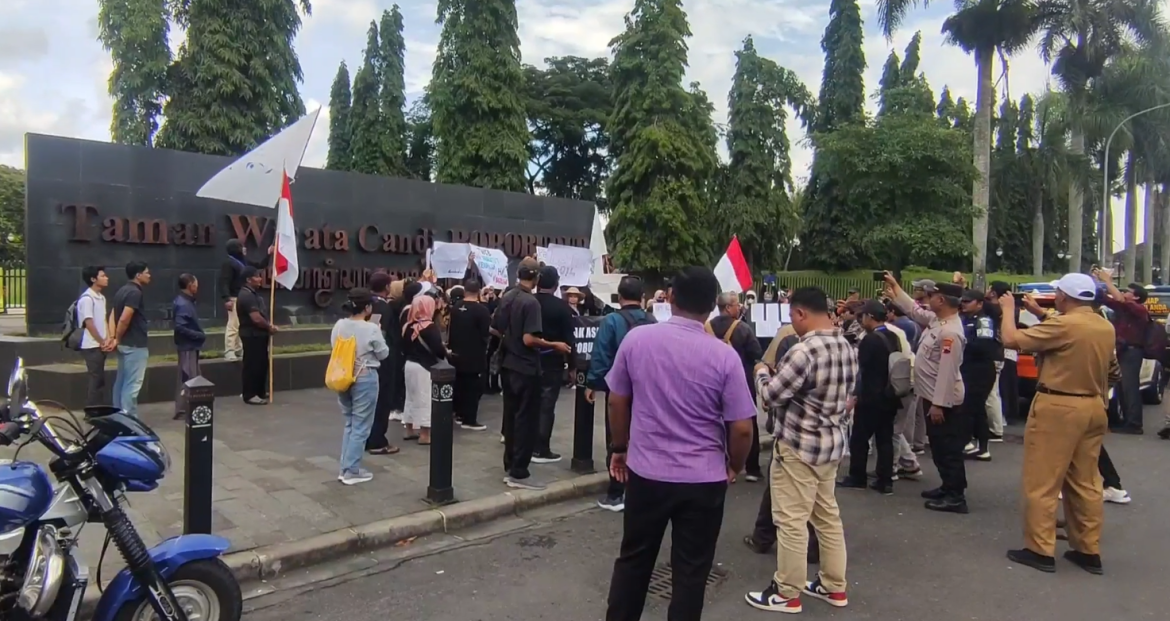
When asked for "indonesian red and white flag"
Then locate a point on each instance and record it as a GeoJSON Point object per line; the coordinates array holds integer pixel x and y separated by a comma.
{"type": "Point", "coordinates": [285, 250]}
{"type": "Point", "coordinates": [732, 270]}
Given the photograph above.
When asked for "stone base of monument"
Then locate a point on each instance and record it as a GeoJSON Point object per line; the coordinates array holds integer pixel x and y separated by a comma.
{"type": "Point", "coordinates": [43, 351]}
{"type": "Point", "coordinates": [67, 383]}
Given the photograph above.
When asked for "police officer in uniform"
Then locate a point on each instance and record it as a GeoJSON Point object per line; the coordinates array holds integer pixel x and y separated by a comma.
{"type": "Point", "coordinates": [983, 351]}
{"type": "Point", "coordinates": [938, 386]}
{"type": "Point", "coordinates": [1067, 424]}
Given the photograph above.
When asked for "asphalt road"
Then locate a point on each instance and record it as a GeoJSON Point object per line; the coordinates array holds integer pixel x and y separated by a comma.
{"type": "Point", "coordinates": [905, 563]}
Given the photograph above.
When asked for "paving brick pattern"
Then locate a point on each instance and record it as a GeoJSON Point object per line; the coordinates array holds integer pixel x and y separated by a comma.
{"type": "Point", "coordinates": [276, 471]}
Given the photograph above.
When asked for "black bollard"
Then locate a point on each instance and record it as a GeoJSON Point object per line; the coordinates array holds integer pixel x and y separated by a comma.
{"type": "Point", "coordinates": [582, 462]}
{"type": "Point", "coordinates": [440, 491]}
{"type": "Point", "coordinates": [199, 465]}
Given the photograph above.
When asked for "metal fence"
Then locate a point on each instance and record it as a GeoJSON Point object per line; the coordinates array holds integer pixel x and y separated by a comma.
{"type": "Point", "coordinates": [12, 288]}
{"type": "Point", "coordinates": [837, 287]}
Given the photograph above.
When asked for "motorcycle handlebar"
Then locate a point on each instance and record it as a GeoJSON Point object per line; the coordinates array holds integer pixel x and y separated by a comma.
{"type": "Point", "coordinates": [9, 433]}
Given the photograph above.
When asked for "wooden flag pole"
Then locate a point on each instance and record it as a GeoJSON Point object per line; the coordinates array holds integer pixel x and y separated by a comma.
{"type": "Point", "coordinates": [271, 318]}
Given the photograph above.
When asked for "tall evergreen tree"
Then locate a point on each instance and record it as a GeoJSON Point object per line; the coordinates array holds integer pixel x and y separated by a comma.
{"type": "Point", "coordinates": [477, 96]}
{"type": "Point", "coordinates": [890, 80]}
{"type": "Point", "coordinates": [236, 80]}
{"type": "Point", "coordinates": [135, 34]}
{"type": "Point", "coordinates": [909, 68]}
{"type": "Point", "coordinates": [420, 142]}
{"type": "Point", "coordinates": [340, 99]}
{"type": "Point", "coordinates": [842, 97]}
{"type": "Point", "coordinates": [663, 162]}
{"type": "Point", "coordinates": [392, 65]}
{"type": "Point", "coordinates": [365, 117]}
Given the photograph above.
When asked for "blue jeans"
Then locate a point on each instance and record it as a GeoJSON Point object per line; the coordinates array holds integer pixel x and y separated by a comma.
{"type": "Point", "coordinates": [131, 371]}
{"type": "Point", "coordinates": [357, 405]}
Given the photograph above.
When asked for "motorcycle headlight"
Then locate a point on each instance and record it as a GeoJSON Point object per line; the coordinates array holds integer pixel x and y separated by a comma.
{"type": "Point", "coordinates": [160, 451]}
{"type": "Point", "coordinates": [42, 580]}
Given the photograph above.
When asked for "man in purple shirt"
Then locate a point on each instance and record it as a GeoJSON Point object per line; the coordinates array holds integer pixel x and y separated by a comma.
{"type": "Point", "coordinates": [679, 404]}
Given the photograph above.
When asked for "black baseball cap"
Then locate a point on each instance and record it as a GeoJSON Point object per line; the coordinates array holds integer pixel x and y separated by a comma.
{"type": "Point", "coordinates": [874, 309]}
{"type": "Point", "coordinates": [973, 295]}
{"type": "Point", "coordinates": [549, 278]}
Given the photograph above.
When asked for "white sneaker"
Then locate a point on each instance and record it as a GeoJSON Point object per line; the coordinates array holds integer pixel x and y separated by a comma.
{"type": "Point", "coordinates": [230, 356]}
{"type": "Point", "coordinates": [396, 416]}
{"type": "Point", "coordinates": [1117, 496]}
{"type": "Point", "coordinates": [353, 478]}
{"type": "Point", "coordinates": [970, 449]}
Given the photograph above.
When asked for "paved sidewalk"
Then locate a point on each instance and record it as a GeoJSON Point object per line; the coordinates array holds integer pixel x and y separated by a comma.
{"type": "Point", "coordinates": [276, 471]}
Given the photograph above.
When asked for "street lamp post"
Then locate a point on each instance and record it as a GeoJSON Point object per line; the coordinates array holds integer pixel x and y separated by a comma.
{"type": "Point", "coordinates": [1104, 252]}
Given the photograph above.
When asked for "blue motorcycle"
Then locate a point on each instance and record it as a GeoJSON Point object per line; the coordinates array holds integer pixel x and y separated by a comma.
{"type": "Point", "coordinates": [181, 579]}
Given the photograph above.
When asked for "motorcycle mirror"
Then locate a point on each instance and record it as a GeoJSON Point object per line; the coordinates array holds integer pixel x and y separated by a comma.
{"type": "Point", "coordinates": [17, 383]}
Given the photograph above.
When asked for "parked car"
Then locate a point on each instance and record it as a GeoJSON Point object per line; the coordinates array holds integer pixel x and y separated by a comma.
{"type": "Point", "coordinates": [1153, 377]}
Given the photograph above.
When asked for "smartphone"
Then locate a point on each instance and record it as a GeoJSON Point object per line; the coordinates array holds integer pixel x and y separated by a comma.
{"type": "Point", "coordinates": [879, 276]}
{"type": "Point", "coordinates": [1018, 296]}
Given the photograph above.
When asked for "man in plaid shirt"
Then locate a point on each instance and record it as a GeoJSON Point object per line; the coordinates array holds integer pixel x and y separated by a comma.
{"type": "Point", "coordinates": [812, 395]}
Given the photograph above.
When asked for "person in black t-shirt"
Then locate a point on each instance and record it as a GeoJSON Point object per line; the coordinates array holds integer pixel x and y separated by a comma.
{"type": "Point", "coordinates": [468, 340]}
{"type": "Point", "coordinates": [131, 338]}
{"type": "Point", "coordinates": [383, 315]}
{"type": "Point", "coordinates": [255, 330]}
{"type": "Point", "coordinates": [556, 320]}
{"type": "Point", "coordinates": [876, 406]}
{"type": "Point", "coordinates": [518, 322]}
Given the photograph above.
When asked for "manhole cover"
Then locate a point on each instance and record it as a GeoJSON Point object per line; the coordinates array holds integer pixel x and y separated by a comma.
{"type": "Point", "coordinates": [661, 576]}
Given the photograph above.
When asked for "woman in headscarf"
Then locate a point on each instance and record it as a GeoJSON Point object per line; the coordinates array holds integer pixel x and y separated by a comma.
{"type": "Point", "coordinates": [399, 304]}
{"type": "Point", "coordinates": [358, 403]}
{"type": "Point", "coordinates": [423, 347]}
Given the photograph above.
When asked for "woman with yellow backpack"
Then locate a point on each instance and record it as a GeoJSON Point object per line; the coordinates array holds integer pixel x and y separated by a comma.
{"type": "Point", "coordinates": [358, 350]}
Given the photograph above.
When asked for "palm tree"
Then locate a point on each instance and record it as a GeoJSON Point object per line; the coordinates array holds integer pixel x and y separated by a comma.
{"type": "Point", "coordinates": [1048, 164]}
{"type": "Point", "coordinates": [1079, 37]}
{"type": "Point", "coordinates": [982, 28]}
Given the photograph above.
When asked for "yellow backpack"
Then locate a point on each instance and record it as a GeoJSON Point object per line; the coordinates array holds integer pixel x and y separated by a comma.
{"type": "Point", "coordinates": [339, 376]}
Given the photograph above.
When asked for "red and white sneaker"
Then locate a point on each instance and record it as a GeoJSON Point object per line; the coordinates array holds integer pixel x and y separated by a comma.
{"type": "Point", "coordinates": [818, 590]}
{"type": "Point", "coordinates": [771, 600]}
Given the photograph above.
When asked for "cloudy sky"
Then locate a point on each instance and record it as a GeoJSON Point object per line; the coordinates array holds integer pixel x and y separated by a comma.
{"type": "Point", "coordinates": [53, 71]}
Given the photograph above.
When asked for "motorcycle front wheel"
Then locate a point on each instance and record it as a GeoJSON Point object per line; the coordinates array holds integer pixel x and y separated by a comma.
{"type": "Point", "coordinates": [206, 591]}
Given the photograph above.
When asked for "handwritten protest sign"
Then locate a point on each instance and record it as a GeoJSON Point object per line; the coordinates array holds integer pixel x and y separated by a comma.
{"type": "Point", "coordinates": [492, 264]}
{"type": "Point", "coordinates": [449, 260]}
{"type": "Point", "coordinates": [542, 254]}
{"type": "Point", "coordinates": [661, 312]}
{"type": "Point", "coordinates": [573, 264]}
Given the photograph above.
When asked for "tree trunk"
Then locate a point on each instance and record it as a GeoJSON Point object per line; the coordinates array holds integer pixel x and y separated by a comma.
{"type": "Point", "coordinates": [1038, 237]}
{"type": "Point", "coordinates": [1130, 251]}
{"type": "Point", "coordinates": [1148, 238]}
{"type": "Point", "coordinates": [981, 188]}
{"type": "Point", "coordinates": [1075, 215]}
{"type": "Point", "coordinates": [1164, 238]}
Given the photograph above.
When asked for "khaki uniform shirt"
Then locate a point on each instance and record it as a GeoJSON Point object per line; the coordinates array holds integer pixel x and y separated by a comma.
{"type": "Point", "coordinates": [940, 354]}
{"type": "Point", "coordinates": [784, 332]}
{"type": "Point", "coordinates": [1077, 350]}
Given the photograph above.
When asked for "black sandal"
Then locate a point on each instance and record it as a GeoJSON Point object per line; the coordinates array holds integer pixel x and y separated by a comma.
{"type": "Point", "coordinates": [409, 438]}
{"type": "Point", "coordinates": [389, 449]}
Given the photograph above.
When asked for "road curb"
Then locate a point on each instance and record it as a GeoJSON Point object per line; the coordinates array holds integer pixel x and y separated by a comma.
{"type": "Point", "coordinates": [268, 562]}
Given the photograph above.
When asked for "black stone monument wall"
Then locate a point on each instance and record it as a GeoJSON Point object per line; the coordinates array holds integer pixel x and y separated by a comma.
{"type": "Point", "coordinates": [95, 203]}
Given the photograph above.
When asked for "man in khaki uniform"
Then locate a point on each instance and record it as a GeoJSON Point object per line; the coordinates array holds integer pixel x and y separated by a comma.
{"type": "Point", "coordinates": [939, 387]}
{"type": "Point", "coordinates": [1067, 424]}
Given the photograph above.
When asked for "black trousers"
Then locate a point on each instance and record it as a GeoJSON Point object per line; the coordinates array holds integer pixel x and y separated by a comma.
{"type": "Point", "coordinates": [1131, 359]}
{"type": "Point", "coordinates": [978, 386]}
{"type": "Point", "coordinates": [1108, 471]}
{"type": "Point", "coordinates": [521, 421]}
{"type": "Point", "coordinates": [468, 390]}
{"type": "Point", "coordinates": [873, 420]}
{"type": "Point", "coordinates": [753, 458]}
{"type": "Point", "coordinates": [694, 512]}
{"type": "Point", "coordinates": [397, 363]}
{"type": "Point", "coordinates": [764, 534]}
{"type": "Point", "coordinates": [381, 424]}
{"type": "Point", "coordinates": [254, 368]}
{"type": "Point", "coordinates": [1009, 390]}
{"type": "Point", "coordinates": [947, 440]}
{"type": "Point", "coordinates": [551, 380]}
{"type": "Point", "coordinates": [616, 487]}
{"type": "Point", "coordinates": [95, 371]}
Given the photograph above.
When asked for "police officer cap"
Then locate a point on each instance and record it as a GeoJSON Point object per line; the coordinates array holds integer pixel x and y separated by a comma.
{"type": "Point", "coordinates": [948, 289]}
{"type": "Point", "coordinates": [1078, 286]}
{"type": "Point", "coordinates": [973, 295]}
{"type": "Point", "coordinates": [925, 284]}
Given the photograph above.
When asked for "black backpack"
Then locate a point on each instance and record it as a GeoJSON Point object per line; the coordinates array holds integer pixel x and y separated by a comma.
{"type": "Point", "coordinates": [71, 332]}
{"type": "Point", "coordinates": [633, 321]}
{"type": "Point", "coordinates": [1155, 342]}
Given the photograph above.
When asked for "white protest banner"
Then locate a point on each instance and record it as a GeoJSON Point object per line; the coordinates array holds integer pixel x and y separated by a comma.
{"type": "Point", "coordinates": [662, 312]}
{"type": "Point", "coordinates": [542, 254]}
{"type": "Point", "coordinates": [573, 264]}
{"type": "Point", "coordinates": [449, 260]}
{"type": "Point", "coordinates": [492, 265]}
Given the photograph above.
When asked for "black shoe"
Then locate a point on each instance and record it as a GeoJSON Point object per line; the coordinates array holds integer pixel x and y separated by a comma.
{"type": "Point", "coordinates": [1164, 433]}
{"type": "Point", "coordinates": [1024, 556]}
{"type": "Point", "coordinates": [886, 489]}
{"type": "Point", "coordinates": [547, 457]}
{"type": "Point", "coordinates": [750, 542]}
{"type": "Point", "coordinates": [1129, 431]}
{"type": "Point", "coordinates": [934, 494]}
{"type": "Point", "coordinates": [851, 483]}
{"type": "Point", "coordinates": [1088, 562]}
{"type": "Point", "coordinates": [948, 504]}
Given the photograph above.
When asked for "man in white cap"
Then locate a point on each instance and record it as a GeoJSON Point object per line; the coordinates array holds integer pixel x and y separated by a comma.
{"type": "Point", "coordinates": [1062, 441]}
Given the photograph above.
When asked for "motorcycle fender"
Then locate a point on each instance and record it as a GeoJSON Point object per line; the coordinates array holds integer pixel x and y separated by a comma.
{"type": "Point", "coordinates": [168, 557]}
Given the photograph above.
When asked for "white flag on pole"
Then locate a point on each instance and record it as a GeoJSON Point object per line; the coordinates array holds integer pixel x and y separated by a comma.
{"type": "Point", "coordinates": [256, 178]}
{"type": "Point", "coordinates": [597, 245]}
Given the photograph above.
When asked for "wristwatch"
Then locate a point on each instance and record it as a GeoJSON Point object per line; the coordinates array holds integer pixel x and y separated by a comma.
{"type": "Point", "coordinates": [620, 449]}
